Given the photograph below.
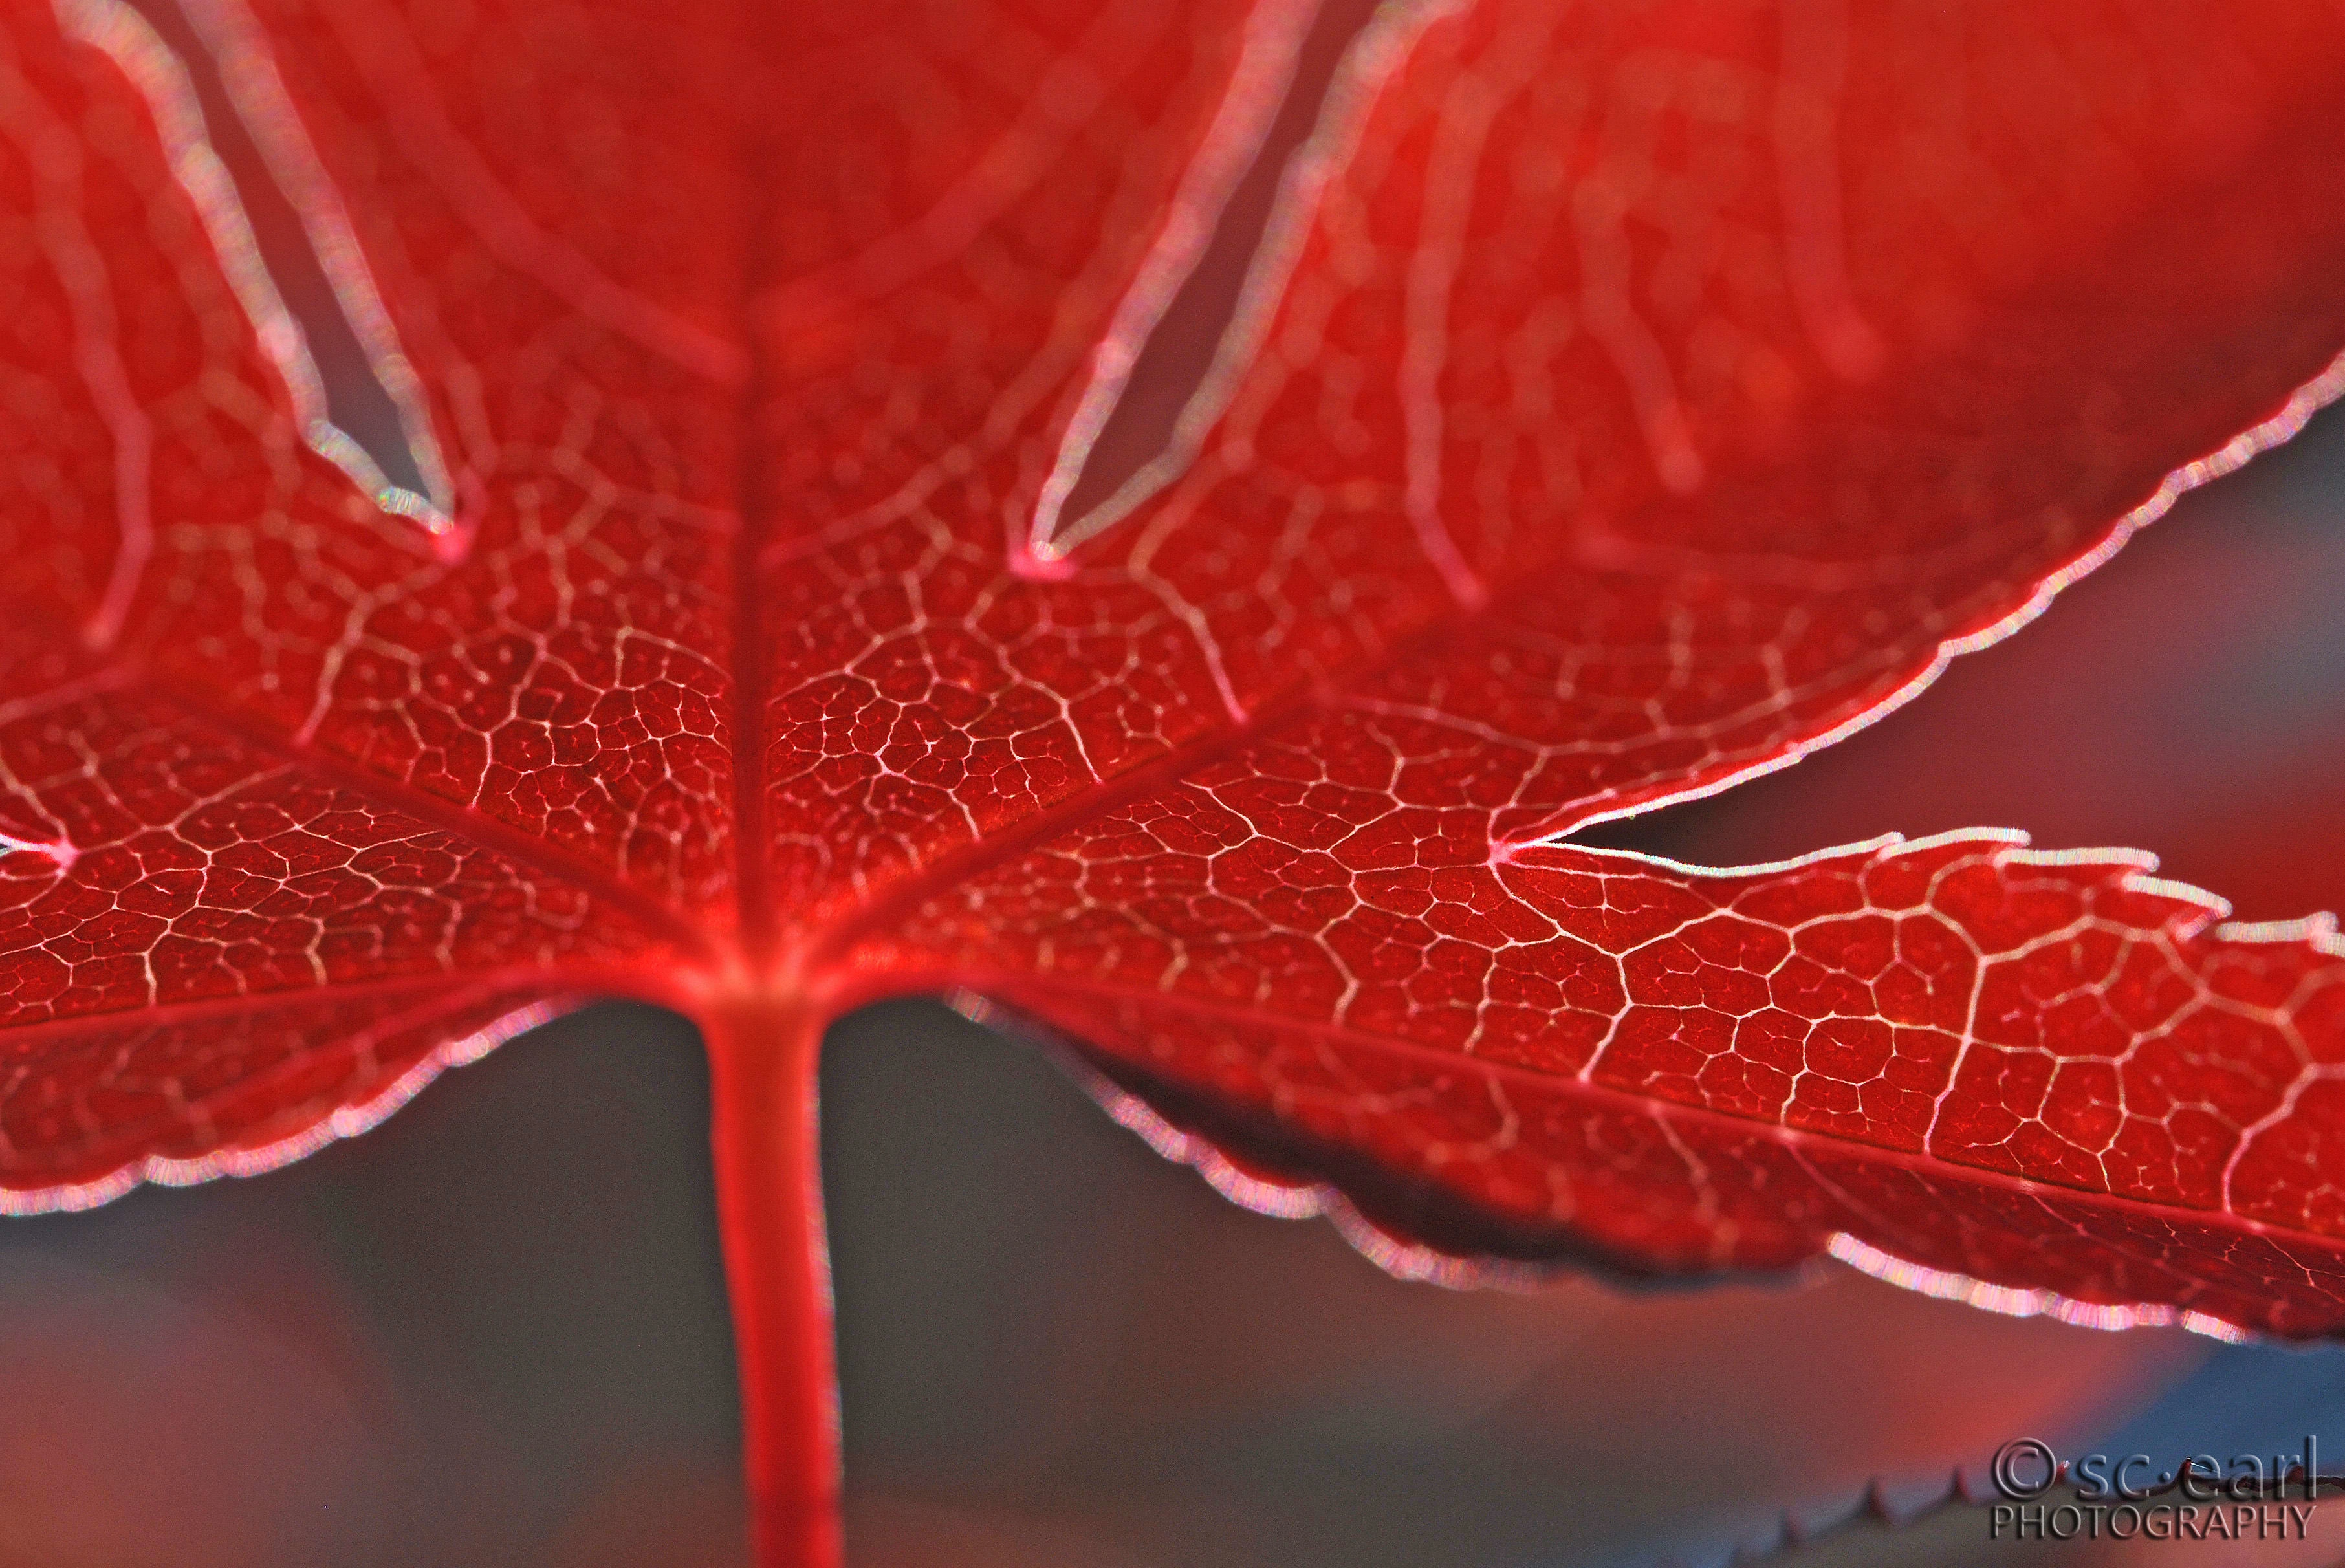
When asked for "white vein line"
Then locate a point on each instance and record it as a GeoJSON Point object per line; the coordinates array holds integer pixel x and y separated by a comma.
{"type": "Point", "coordinates": [1807, 167]}
{"type": "Point", "coordinates": [1460, 131]}
{"type": "Point", "coordinates": [159, 77]}
{"type": "Point", "coordinates": [1259, 85]}
{"type": "Point", "coordinates": [1370, 62]}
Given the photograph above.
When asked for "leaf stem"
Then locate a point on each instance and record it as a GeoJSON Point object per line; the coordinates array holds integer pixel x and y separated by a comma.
{"type": "Point", "coordinates": [762, 1058]}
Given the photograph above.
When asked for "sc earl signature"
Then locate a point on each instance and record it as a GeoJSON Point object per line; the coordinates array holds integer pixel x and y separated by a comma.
{"type": "Point", "coordinates": [2026, 1468]}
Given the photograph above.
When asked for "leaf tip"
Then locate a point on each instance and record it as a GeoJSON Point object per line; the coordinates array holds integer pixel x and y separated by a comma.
{"type": "Point", "coordinates": [1040, 563]}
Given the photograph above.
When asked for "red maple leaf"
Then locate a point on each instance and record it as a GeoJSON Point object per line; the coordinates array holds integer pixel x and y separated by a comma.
{"type": "Point", "coordinates": [736, 577]}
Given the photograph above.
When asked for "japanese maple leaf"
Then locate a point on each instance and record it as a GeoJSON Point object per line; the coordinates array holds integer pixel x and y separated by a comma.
{"type": "Point", "coordinates": [706, 595]}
